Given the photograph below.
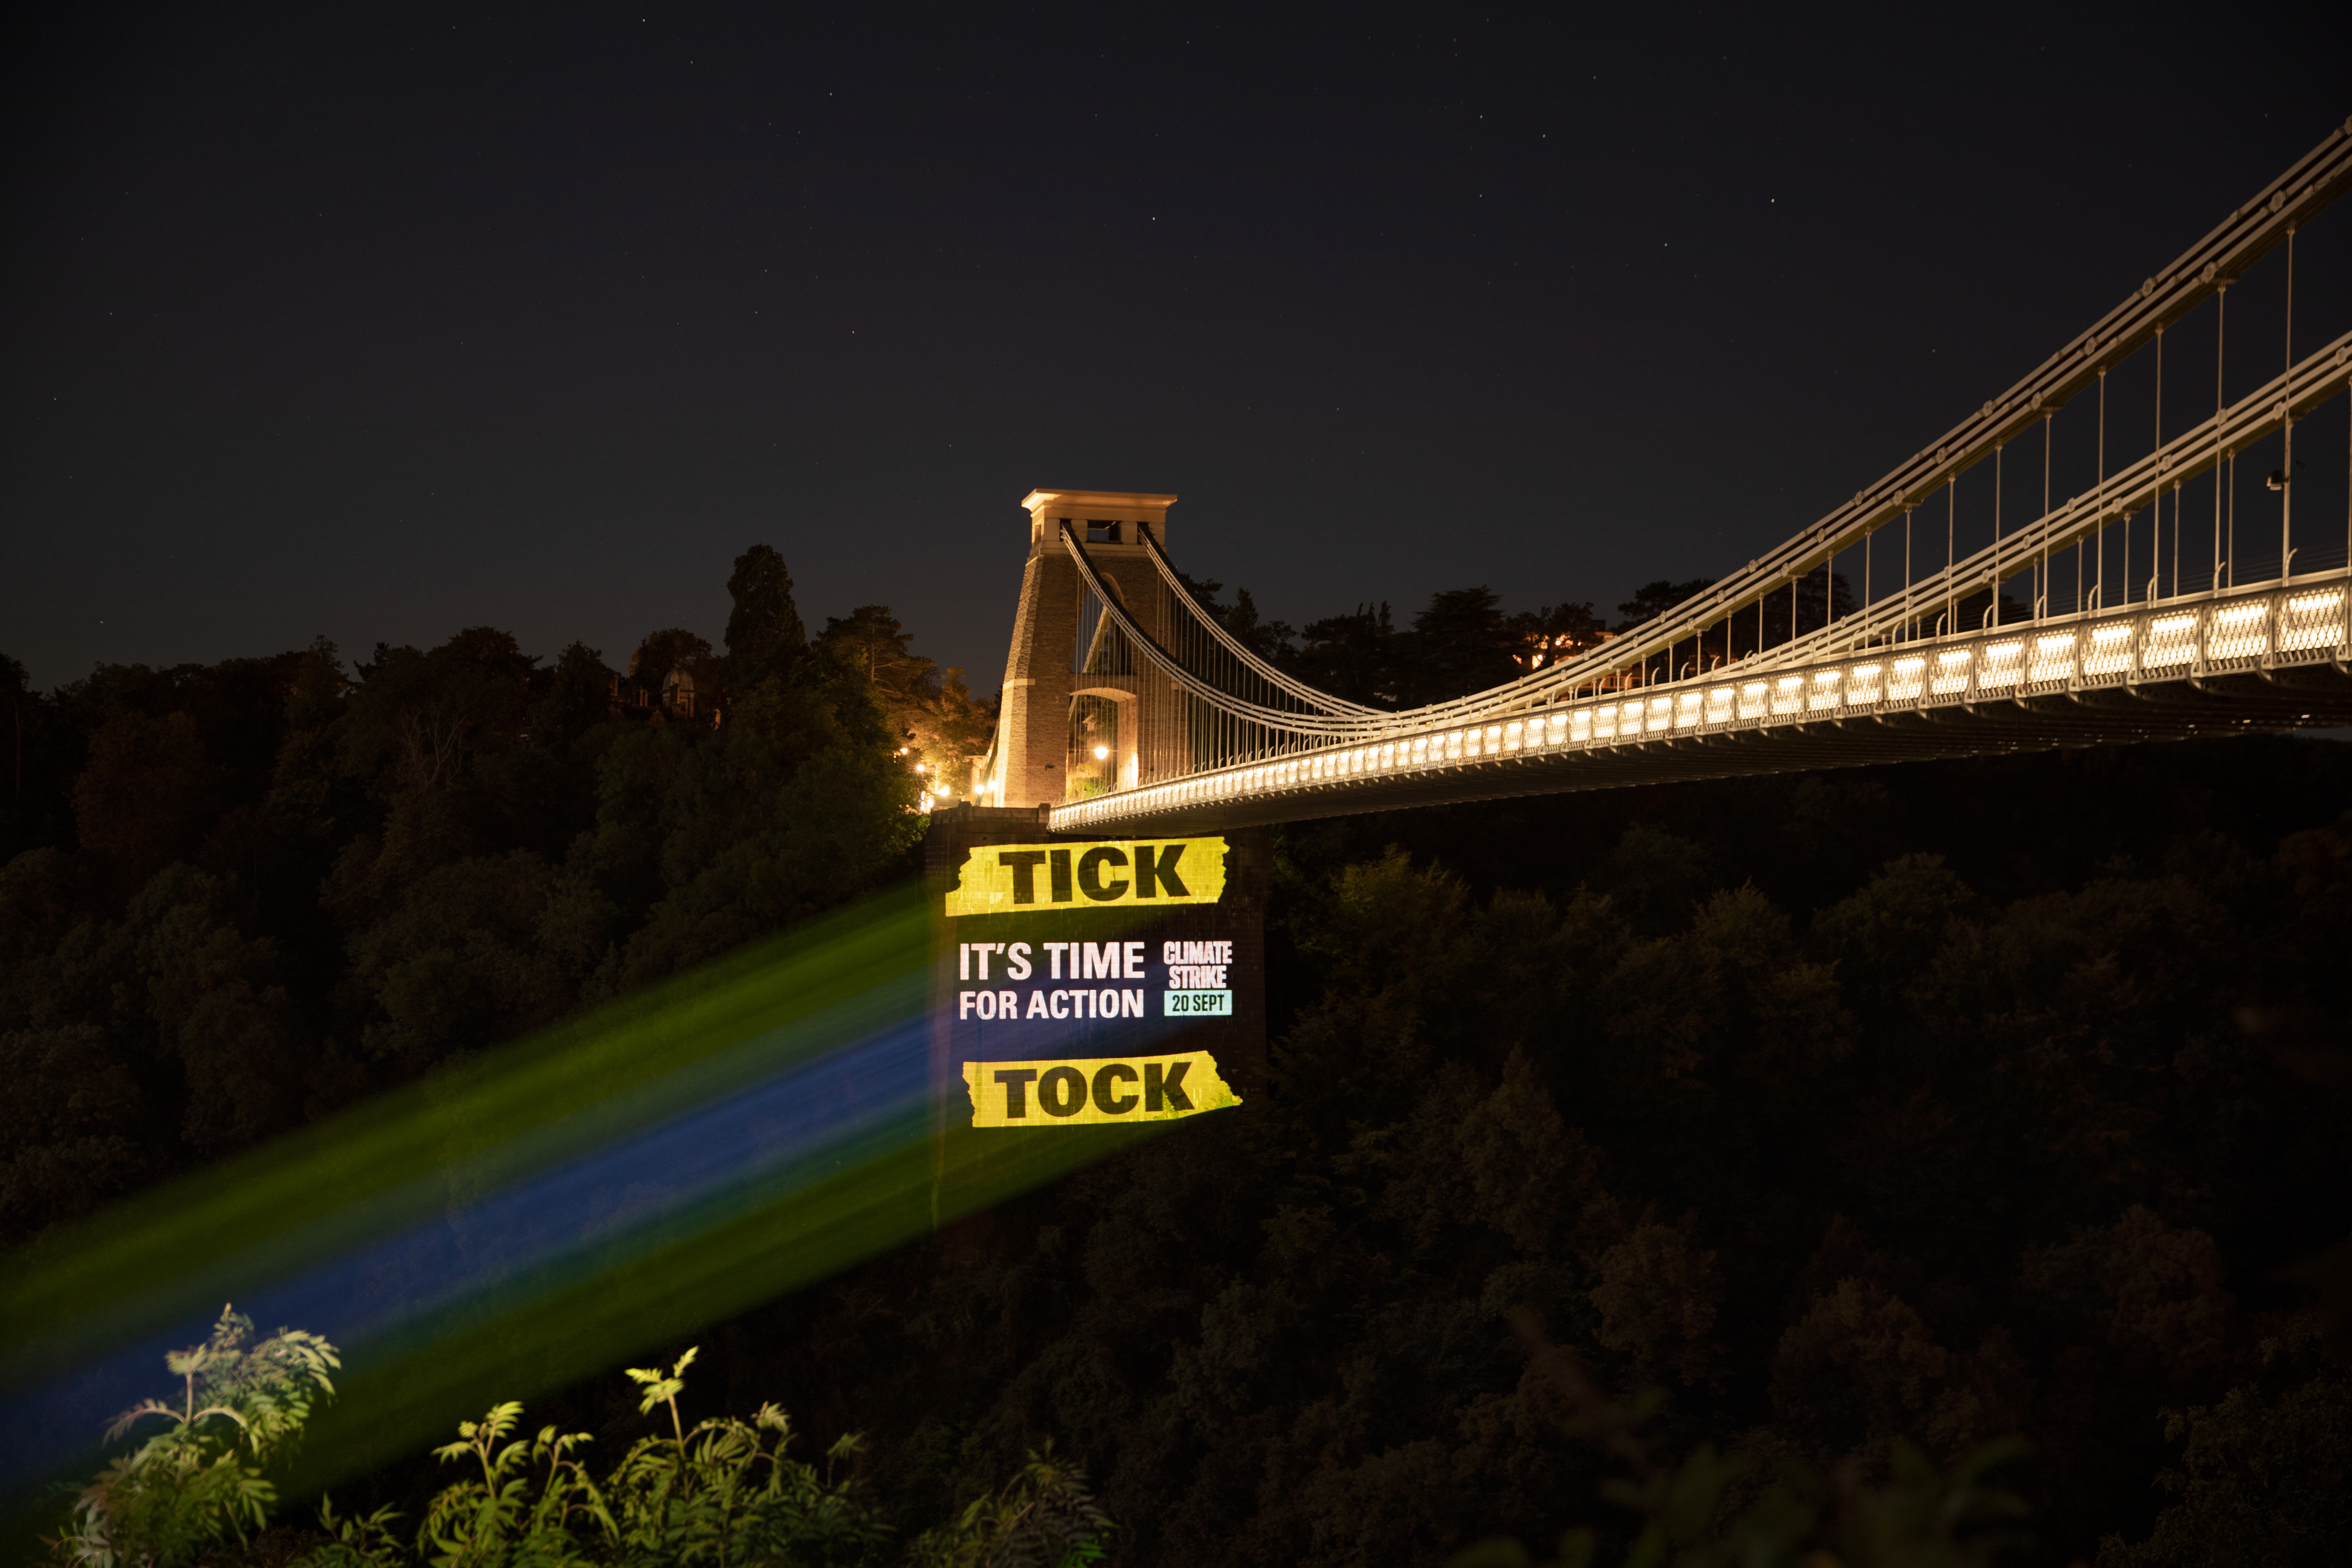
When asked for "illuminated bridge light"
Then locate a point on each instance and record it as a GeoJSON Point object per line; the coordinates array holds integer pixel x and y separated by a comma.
{"type": "Point", "coordinates": [2171, 640]}
{"type": "Point", "coordinates": [2003, 663]}
{"type": "Point", "coordinates": [2053, 657]}
{"type": "Point", "coordinates": [2153, 644]}
{"type": "Point", "coordinates": [2312, 621]}
{"type": "Point", "coordinates": [2110, 651]}
{"type": "Point", "coordinates": [1951, 672]}
{"type": "Point", "coordinates": [2241, 631]}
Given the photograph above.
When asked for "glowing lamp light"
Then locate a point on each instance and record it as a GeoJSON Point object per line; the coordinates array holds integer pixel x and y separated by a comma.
{"type": "Point", "coordinates": [1101, 751]}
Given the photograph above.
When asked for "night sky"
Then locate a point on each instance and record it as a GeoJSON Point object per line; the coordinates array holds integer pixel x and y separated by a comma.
{"type": "Point", "coordinates": [383, 321]}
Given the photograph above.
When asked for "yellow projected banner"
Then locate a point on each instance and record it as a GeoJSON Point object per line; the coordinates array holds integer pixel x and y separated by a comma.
{"type": "Point", "coordinates": [1032, 879]}
{"type": "Point", "coordinates": [1095, 1090]}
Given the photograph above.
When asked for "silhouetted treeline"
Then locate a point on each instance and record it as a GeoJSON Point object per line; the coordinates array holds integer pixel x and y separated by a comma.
{"type": "Point", "coordinates": [1939, 1101]}
{"type": "Point", "coordinates": [240, 896]}
{"type": "Point", "coordinates": [1462, 641]}
{"type": "Point", "coordinates": [1942, 1101]}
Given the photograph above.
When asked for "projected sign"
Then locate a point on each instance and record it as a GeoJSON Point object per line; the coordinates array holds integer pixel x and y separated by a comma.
{"type": "Point", "coordinates": [1095, 1090]}
{"type": "Point", "coordinates": [1191, 975]}
{"type": "Point", "coordinates": [1041, 879]}
{"type": "Point", "coordinates": [1088, 983]}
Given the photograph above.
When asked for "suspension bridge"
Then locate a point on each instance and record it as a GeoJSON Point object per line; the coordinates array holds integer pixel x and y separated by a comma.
{"type": "Point", "coordinates": [2154, 606]}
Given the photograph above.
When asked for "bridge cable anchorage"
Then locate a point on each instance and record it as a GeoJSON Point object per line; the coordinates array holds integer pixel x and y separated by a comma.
{"type": "Point", "coordinates": [1295, 728]}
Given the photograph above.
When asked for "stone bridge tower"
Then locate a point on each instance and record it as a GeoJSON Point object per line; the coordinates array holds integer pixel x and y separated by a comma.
{"type": "Point", "coordinates": [1029, 762]}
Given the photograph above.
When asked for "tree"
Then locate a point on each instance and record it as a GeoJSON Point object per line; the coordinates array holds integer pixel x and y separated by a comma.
{"type": "Point", "coordinates": [873, 640]}
{"type": "Point", "coordinates": [765, 638]}
{"type": "Point", "coordinates": [2261, 1479]}
{"type": "Point", "coordinates": [579, 696]}
{"type": "Point", "coordinates": [1554, 633]}
{"type": "Point", "coordinates": [1354, 655]}
{"type": "Point", "coordinates": [1460, 642]}
{"type": "Point", "coordinates": [143, 797]}
{"type": "Point", "coordinates": [1653, 599]}
{"type": "Point", "coordinates": [931, 710]}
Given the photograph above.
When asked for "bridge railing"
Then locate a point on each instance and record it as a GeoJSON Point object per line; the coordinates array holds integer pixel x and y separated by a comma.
{"type": "Point", "coordinates": [2210, 266]}
{"type": "Point", "coordinates": [1899, 615]}
{"type": "Point", "coordinates": [2139, 486]}
{"type": "Point", "coordinates": [1247, 726]}
{"type": "Point", "coordinates": [2213, 264]}
{"type": "Point", "coordinates": [2179, 643]}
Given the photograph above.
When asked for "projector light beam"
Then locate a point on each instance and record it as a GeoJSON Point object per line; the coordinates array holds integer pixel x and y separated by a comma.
{"type": "Point", "coordinates": [537, 1216]}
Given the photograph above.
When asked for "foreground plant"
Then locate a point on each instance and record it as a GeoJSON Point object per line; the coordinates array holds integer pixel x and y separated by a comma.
{"type": "Point", "coordinates": [197, 1481]}
{"type": "Point", "coordinates": [723, 1492]}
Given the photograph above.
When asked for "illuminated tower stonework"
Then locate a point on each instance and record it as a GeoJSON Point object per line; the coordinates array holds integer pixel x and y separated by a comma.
{"type": "Point", "coordinates": [1053, 686]}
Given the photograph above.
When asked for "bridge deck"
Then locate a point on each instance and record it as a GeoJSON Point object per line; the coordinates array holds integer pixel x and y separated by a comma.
{"type": "Point", "coordinates": [2262, 658]}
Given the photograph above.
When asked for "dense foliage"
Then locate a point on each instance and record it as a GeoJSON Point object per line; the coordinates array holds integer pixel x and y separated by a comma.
{"type": "Point", "coordinates": [236, 897]}
{"type": "Point", "coordinates": [1866, 1119]}
{"type": "Point", "coordinates": [726, 1492]}
{"type": "Point", "coordinates": [1744, 1092]}
{"type": "Point", "coordinates": [1461, 641]}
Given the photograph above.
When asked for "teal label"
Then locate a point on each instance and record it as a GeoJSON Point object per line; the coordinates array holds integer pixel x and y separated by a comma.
{"type": "Point", "coordinates": [1197, 1003]}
